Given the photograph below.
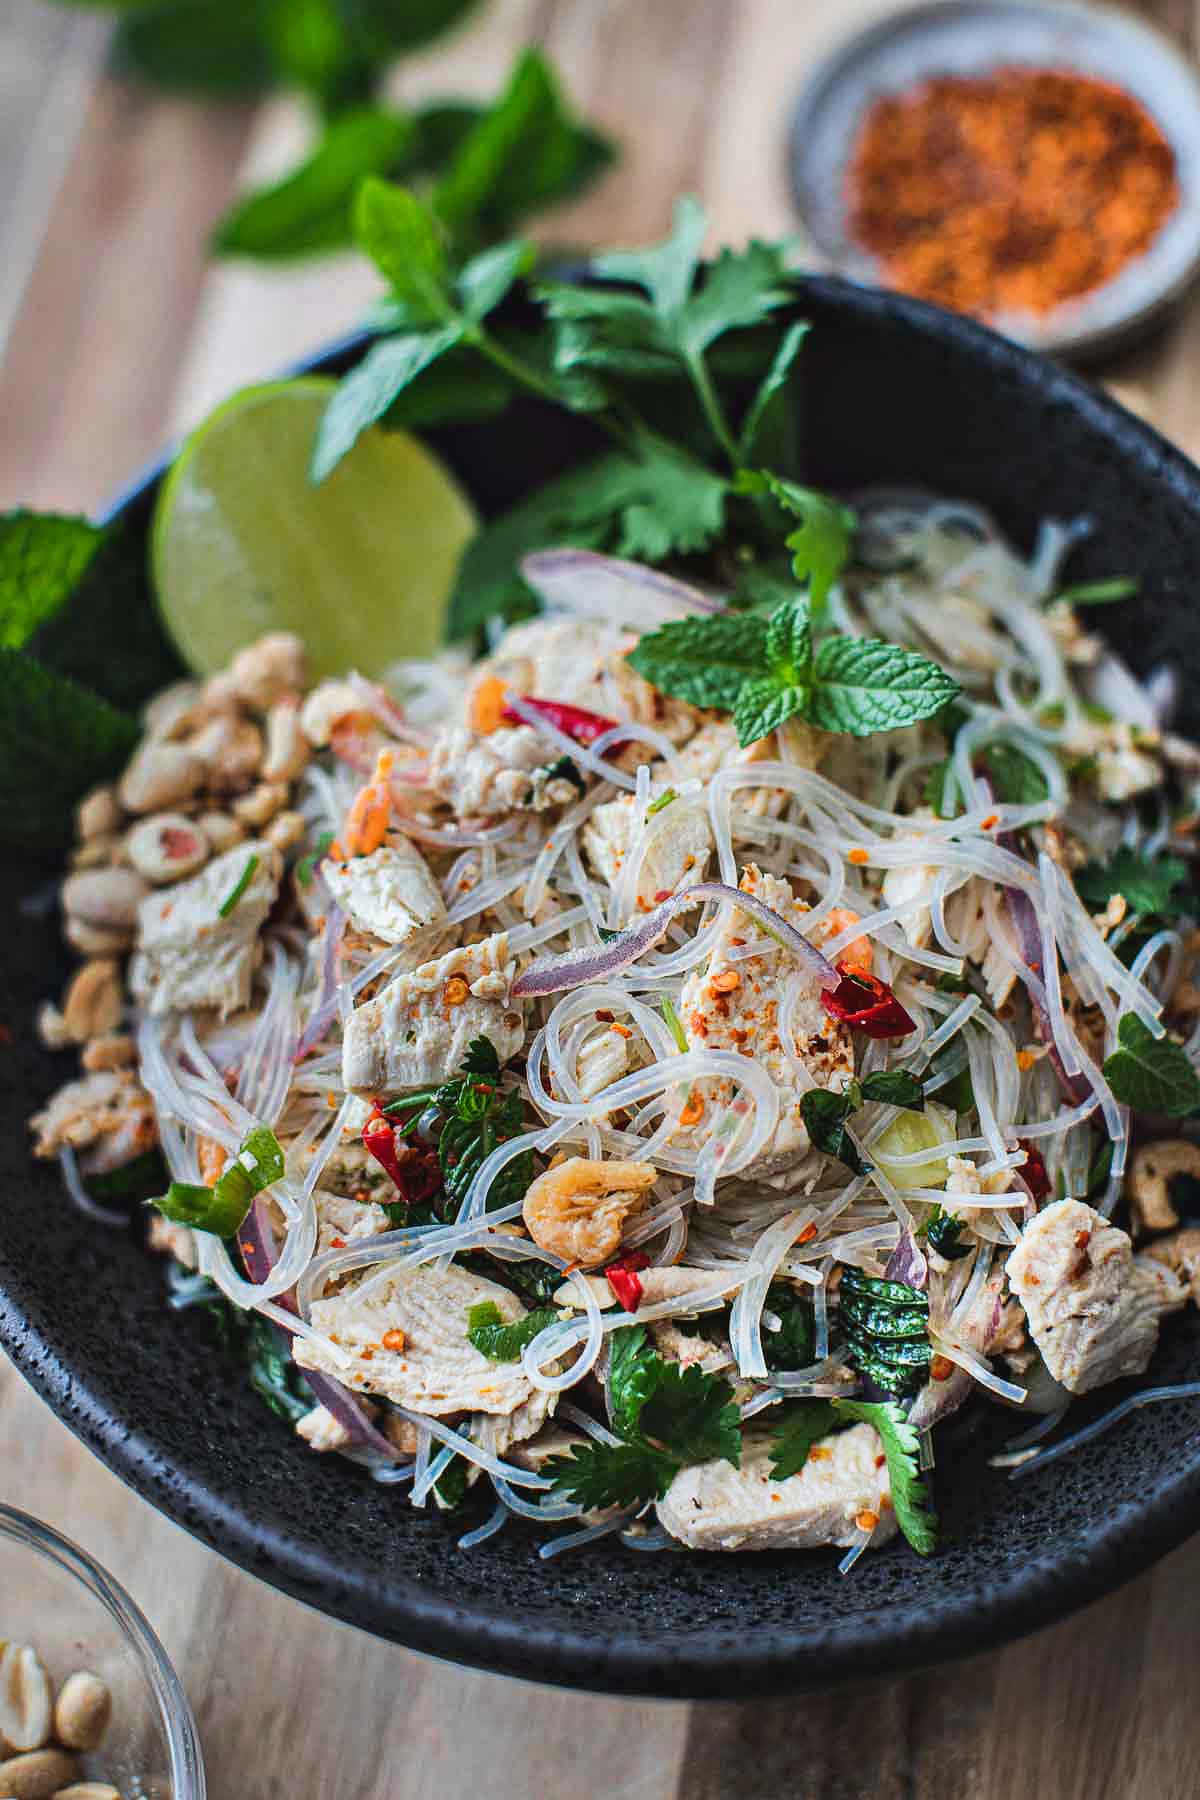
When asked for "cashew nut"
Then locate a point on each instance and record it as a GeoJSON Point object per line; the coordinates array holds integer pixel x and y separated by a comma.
{"type": "Point", "coordinates": [52, 1032]}
{"type": "Point", "coordinates": [230, 751]}
{"type": "Point", "coordinates": [264, 672]}
{"type": "Point", "coordinates": [25, 1698]}
{"type": "Point", "coordinates": [286, 829]}
{"type": "Point", "coordinates": [176, 706]}
{"type": "Point", "coordinates": [88, 1790]}
{"type": "Point", "coordinates": [160, 776]}
{"type": "Point", "coordinates": [577, 1209]}
{"type": "Point", "coordinates": [82, 1711]}
{"type": "Point", "coordinates": [92, 1003]}
{"type": "Point", "coordinates": [287, 747]}
{"type": "Point", "coordinates": [39, 1776]}
{"type": "Point", "coordinates": [1155, 1166]}
{"type": "Point", "coordinates": [115, 1051]}
{"type": "Point", "coordinates": [262, 803]}
{"type": "Point", "coordinates": [106, 899]}
{"type": "Point", "coordinates": [167, 847]}
{"type": "Point", "coordinates": [98, 813]}
{"type": "Point", "coordinates": [97, 852]}
{"type": "Point", "coordinates": [94, 940]}
{"type": "Point", "coordinates": [324, 707]}
{"type": "Point", "coordinates": [1181, 1253]}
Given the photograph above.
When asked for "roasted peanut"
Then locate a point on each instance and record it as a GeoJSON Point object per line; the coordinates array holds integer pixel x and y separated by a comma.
{"type": "Point", "coordinates": [286, 829]}
{"type": "Point", "coordinates": [97, 852]}
{"type": "Point", "coordinates": [1148, 1190]}
{"type": "Point", "coordinates": [324, 707]}
{"type": "Point", "coordinates": [222, 830]}
{"type": "Point", "coordinates": [38, 1776]}
{"type": "Point", "coordinates": [262, 803]}
{"type": "Point", "coordinates": [167, 847]}
{"type": "Point", "coordinates": [577, 1210]}
{"type": "Point", "coordinates": [98, 813]}
{"type": "Point", "coordinates": [115, 1051]}
{"type": "Point", "coordinates": [88, 1790]}
{"type": "Point", "coordinates": [52, 1032]}
{"type": "Point", "coordinates": [160, 776]}
{"type": "Point", "coordinates": [25, 1698]}
{"type": "Point", "coordinates": [287, 747]}
{"type": "Point", "coordinates": [107, 899]}
{"type": "Point", "coordinates": [82, 1711]}
{"type": "Point", "coordinates": [94, 940]}
{"type": "Point", "coordinates": [92, 1003]}
{"type": "Point", "coordinates": [172, 710]}
{"type": "Point", "coordinates": [231, 750]}
{"type": "Point", "coordinates": [264, 672]}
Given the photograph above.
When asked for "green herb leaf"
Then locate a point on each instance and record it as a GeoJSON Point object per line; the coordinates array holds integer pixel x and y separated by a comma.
{"type": "Point", "coordinates": [1149, 886]}
{"type": "Point", "coordinates": [910, 1495]}
{"type": "Point", "coordinates": [308, 212]}
{"type": "Point", "coordinates": [273, 1375]}
{"type": "Point", "coordinates": [601, 1475]}
{"type": "Point", "coordinates": [942, 1232]}
{"type": "Point", "coordinates": [804, 1423]}
{"type": "Point", "coordinates": [485, 281]}
{"type": "Point", "coordinates": [886, 1327]}
{"type": "Point", "coordinates": [1099, 593]}
{"type": "Point", "coordinates": [764, 705]}
{"type": "Point", "coordinates": [895, 1087]}
{"type": "Point", "coordinates": [821, 546]}
{"type": "Point", "coordinates": [212, 47]}
{"type": "Point", "coordinates": [307, 864]}
{"type": "Point", "coordinates": [482, 1058]}
{"type": "Point", "coordinates": [693, 1415]}
{"type": "Point", "coordinates": [705, 659]}
{"type": "Point", "coordinates": [372, 388]}
{"type": "Point", "coordinates": [402, 237]}
{"type": "Point", "coordinates": [674, 1024]}
{"type": "Point", "coordinates": [1152, 1075]}
{"type": "Point", "coordinates": [863, 685]}
{"type": "Point", "coordinates": [493, 1337]}
{"type": "Point", "coordinates": [42, 560]}
{"type": "Point", "coordinates": [633, 1371]}
{"type": "Point", "coordinates": [789, 643]}
{"type": "Point", "coordinates": [666, 271]}
{"type": "Point", "coordinates": [57, 740]}
{"type": "Point", "coordinates": [793, 1346]}
{"type": "Point", "coordinates": [1016, 779]}
{"type": "Point", "coordinates": [825, 1114]}
{"type": "Point", "coordinates": [664, 799]}
{"type": "Point", "coordinates": [769, 431]}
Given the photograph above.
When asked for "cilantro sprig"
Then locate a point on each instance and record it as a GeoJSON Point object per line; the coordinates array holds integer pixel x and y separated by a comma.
{"type": "Point", "coordinates": [475, 1118]}
{"type": "Point", "coordinates": [1149, 884]}
{"type": "Point", "coordinates": [666, 1416]}
{"type": "Point", "coordinates": [806, 1422]}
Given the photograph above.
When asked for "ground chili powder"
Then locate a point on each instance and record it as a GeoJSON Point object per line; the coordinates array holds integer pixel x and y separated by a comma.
{"type": "Point", "coordinates": [1009, 192]}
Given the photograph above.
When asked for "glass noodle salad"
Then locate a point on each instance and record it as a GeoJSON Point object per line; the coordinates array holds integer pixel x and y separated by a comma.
{"type": "Point", "coordinates": [644, 1076]}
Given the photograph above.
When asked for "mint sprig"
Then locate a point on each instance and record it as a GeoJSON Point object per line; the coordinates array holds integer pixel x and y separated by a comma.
{"type": "Point", "coordinates": [767, 670]}
{"type": "Point", "coordinates": [1152, 1075]}
{"type": "Point", "coordinates": [1149, 885]}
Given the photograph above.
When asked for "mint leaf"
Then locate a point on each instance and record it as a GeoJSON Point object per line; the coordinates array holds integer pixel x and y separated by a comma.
{"type": "Point", "coordinates": [601, 1475]}
{"type": "Point", "coordinates": [211, 47]}
{"type": "Point", "coordinates": [705, 659]}
{"type": "Point", "coordinates": [1016, 779]}
{"type": "Point", "coordinates": [910, 1496]}
{"type": "Point", "coordinates": [1098, 593]}
{"type": "Point", "coordinates": [404, 241]}
{"type": "Point", "coordinates": [768, 431]}
{"type": "Point", "coordinates": [666, 271]}
{"type": "Point", "coordinates": [821, 546]}
{"type": "Point", "coordinates": [372, 388]}
{"type": "Point", "coordinates": [57, 740]}
{"type": "Point", "coordinates": [789, 643]}
{"type": "Point", "coordinates": [693, 1415]}
{"type": "Point", "coordinates": [863, 685]}
{"type": "Point", "coordinates": [521, 154]}
{"type": "Point", "coordinates": [42, 559]}
{"type": "Point", "coordinates": [895, 1087]}
{"type": "Point", "coordinates": [1148, 886]}
{"type": "Point", "coordinates": [804, 1423]}
{"type": "Point", "coordinates": [763, 705]}
{"type": "Point", "coordinates": [1152, 1075]}
{"type": "Point", "coordinates": [488, 277]}
{"type": "Point", "coordinates": [825, 1115]}
{"type": "Point", "coordinates": [488, 1331]}
{"type": "Point", "coordinates": [308, 212]}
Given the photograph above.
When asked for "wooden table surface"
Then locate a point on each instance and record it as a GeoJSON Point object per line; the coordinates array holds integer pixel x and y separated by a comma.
{"type": "Point", "coordinates": [118, 335]}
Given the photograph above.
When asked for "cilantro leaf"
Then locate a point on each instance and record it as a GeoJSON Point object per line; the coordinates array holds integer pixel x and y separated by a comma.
{"type": "Point", "coordinates": [499, 1340]}
{"type": "Point", "coordinates": [821, 545]}
{"type": "Point", "coordinates": [1149, 886]}
{"type": "Point", "coordinates": [308, 211]}
{"type": "Point", "coordinates": [1153, 1075]}
{"type": "Point", "coordinates": [57, 740]}
{"type": "Point", "coordinates": [42, 559]}
{"type": "Point", "coordinates": [768, 432]}
{"type": "Point", "coordinates": [633, 1371]}
{"type": "Point", "coordinates": [1098, 593]}
{"type": "Point", "coordinates": [740, 288]}
{"type": "Point", "coordinates": [825, 1114]}
{"type": "Point", "coordinates": [910, 1494]}
{"type": "Point", "coordinates": [895, 1087]}
{"type": "Point", "coordinates": [372, 388]}
{"type": "Point", "coordinates": [863, 685]}
{"type": "Point", "coordinates": [692, 1414]}
{"type": "Point", "coordinates": [704, 659]}
{"type": "Point", "coordinates": [484, 281]}
{"type": "Point", "coordinates": [804, 1423]}
{"type": "Point", "coordinates": [602, 1475]}
{"type": "Point", "coordinates": [666, 271]}
{"type": "Point", "coordinates": [482, 1058]}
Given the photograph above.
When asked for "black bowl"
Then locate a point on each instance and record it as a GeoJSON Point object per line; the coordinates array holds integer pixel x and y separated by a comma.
{"type": "Point", "coordinates": [896, 392]}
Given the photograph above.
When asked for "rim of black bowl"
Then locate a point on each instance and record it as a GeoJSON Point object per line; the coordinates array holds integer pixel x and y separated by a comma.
{"type": "Point", "coordinates": [980, 1616]}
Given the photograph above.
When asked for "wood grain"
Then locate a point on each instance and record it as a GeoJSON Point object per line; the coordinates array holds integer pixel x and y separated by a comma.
{"type": "Point", "coordinates": [124, 334]}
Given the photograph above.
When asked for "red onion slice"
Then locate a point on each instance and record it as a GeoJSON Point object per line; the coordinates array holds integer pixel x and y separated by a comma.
{"type": "Point", "coordinates": [379, 703]}
{"type": "Point", "coordinates": [591, 586]}
{"type": "Point", "coordinates": [326, 1007]}
{"type": "Point", "coordinates": [575, 968]}
{"type": "Point", "coordinates": [907, 1263]}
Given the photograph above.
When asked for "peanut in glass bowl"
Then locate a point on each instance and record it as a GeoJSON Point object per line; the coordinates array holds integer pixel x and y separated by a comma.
{"type": "Point", "coordinates": [55, 1597]}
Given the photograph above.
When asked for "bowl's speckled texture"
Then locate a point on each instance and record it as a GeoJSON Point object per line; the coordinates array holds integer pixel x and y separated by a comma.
{"type": "Point", "coordinates": [897, 393]}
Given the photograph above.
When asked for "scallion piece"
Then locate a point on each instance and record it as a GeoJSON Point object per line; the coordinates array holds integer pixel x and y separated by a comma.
{"type": "Point", "coordinates": [239, 887]}
{"type": "Point", "coordinates": [664, 799]}
{"type": "Point", "coordinates": [222, 1208]}
{"type": "Point", "coordinates": [674, 1026]}
{"type": "Point", "coordinates": [307, 864]}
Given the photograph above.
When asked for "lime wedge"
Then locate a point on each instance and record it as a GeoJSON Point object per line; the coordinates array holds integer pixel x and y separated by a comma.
{"type": "Point", "coordinates": [360, 567]}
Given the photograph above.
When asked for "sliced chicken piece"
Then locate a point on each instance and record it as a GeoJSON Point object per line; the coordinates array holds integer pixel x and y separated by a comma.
{"type": "Point", "coordinates": [671, 847]}
{"type": "Point", "coordinates": [500, 1432]}
{"type": "Point", "coordinates": [715, 1507]}
{"type": "Point", "coordinates": [1092, 1311]}
{"type": "Point", "coordinates": [342, 1221]}
{"type": "Point", "coordinates": [553, 1440]}
{"type": "Point", "coordinates": [912, 884]}
{"type": "Point", "coordinates": [417, 1031]}
{"type": "Point", "coordinates": [734, 1005]}
{"type": "Point", "coordinates": [407, 1337]}
{"type": "Point", "coordinates": [321, 1431]}
{"type": "Point", "coordinates": [509, 770]}
{"type": "Point", "coordinates": [188, 957]}
{"type": "Point", "coordinates": [684, 1348]}
{"type": "Point", "coordinates": [603, 1058]}
{"type": "Point", "coordinates": [557, 659]}
{"type": "Point", "coordinates": [106, 1116]}
{"type": "Point", "coordinates": [389, 893]}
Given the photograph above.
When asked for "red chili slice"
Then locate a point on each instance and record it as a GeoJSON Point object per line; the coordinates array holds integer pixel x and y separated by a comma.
{"type": "Point", "coordinates": [622, 1279]}
{"type": "Point", "coordinates": [1034, 1172]}
{"type": "Point", "coordinates": [573, 721]}
{"type": "Point", "coordinates": [866, 1004]}
{"type": "Point", "coordinates": [415, 1172]}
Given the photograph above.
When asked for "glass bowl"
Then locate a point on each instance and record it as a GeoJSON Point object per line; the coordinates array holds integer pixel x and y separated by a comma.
{"type": "Point", "coordinates": [53, 1596]}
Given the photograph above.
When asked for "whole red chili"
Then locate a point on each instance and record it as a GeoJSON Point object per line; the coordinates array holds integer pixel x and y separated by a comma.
{"type": "Point", "coordinates": [866, 1004]}
{"type": "Point", "coordinates": [1034, 1173]}
{"type": "Point", "coordinates": [573, 721]}
{"type": "Point", "coordinates": [622, 1279]}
